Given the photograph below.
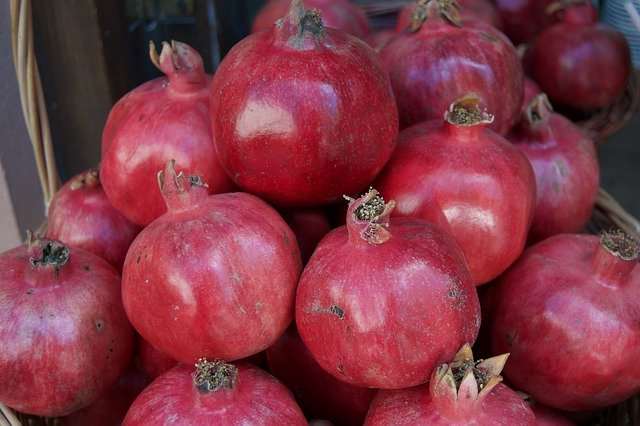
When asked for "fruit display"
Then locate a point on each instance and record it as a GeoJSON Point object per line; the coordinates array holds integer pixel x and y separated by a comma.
{"type": "Point", "coordinates": [320, 232]}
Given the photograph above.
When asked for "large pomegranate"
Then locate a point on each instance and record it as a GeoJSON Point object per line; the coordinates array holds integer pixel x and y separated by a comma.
{"type": "Point", "coordinates": [465, 177]}
{"type": "Point", "coordinates": [463, 392]}
{"type": "Point", "coordinates": [579, 63]}
{"type": "Point", "coordinates": [382, 302]}
{"type": "Point", "coordinates": [568, 313]}
{"type": "Point", "coordinates": [65, 338]}
{"type": "Point", "coordinates": [565, 163]}
{"type": "Point", "coordinates": [165, 118]}
{"type": "Point", "coordinates": [339, 14]}
{"type": "Point", "coordinates": [302, 114]}
{"type": "Point", "coordinates": [215, 276]}
{"type": "Point", "coordinates": [443, 58]}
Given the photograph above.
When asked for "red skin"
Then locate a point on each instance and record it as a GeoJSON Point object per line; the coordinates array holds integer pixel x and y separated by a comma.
{"type": "Point", "coordinates": [398, 307]}
{"type": "Point", "coordinates": [255, 398]}
{"type": "Point", "coordinates": [65, 337]}
{"type": "Point", "coordinates": [304, 124]}
{"type": "Point", "coordinates": [194, 281]}
{"type": "Point", "coordinates": [441, 62]}
{"type": "Point", "coordinates": [309, 225]}
{"type": "Point", "coordinates": [150, 360]}
{"type": "Point", "coordinates": [531, 90]}
{"type": "Point", "coordinates": [470, 10]}
{"type": "Point", "coordinates": [469, 179]}
{"type": "Point", "coordinates": [524, 19]}
{"type": "Point", "coordinates": [547, 416]}
{"type": "Point", "coordinates": [339, 14]}
{"type": "Point", "coordinates": [568, 313]}
{"type": "Point", "coordinates": [378, 39]}
{"type": "Point", "coordinates": [163, 119]}
{"type": "Point", "coordinates": [420, 405]}
{"type": "Point", "coordinates": [112, 407]}
{"type": "Point", "coordinates": [579, 63]}
{"type": "Point", "coordinates": [565, 163]}
{"type": "Point", "coordinates": [318, 392]}
{"type": "Point", "coordinates": [81, 215]}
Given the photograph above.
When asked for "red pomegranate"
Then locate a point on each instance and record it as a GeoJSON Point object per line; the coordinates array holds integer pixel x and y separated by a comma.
{"type": "Point", "coordinates": [524, 19]}
{"type": "Point", "coordinates": [442, 58]}
{"type": "Point", "coordinates": [463, 392]}
{"type": "Point", "coordinates": [165, 118]}
{"type": "Point", "coordinates": [302, 114]}
{"type": "Point", "coordinates": [150, 360]}
{"type": "Point", "coordinates": [65, 337]}
{"type": "Point", "coordinates": [339, 14]}
{"type": "Point", "coordinates": [81, 215]}
{"type": "Point", "coordinates": [579, 63]}
{"type": "Point", "coordinates": [381, 302]}
{"type": "Point", "coordinates": [215, 276]}
{"type": "Point", "coordinates": [565, 163]}
{"type": "Point", "coordinates": [568, 313]}
{"type": "Point", "coordinates": [465, 177]}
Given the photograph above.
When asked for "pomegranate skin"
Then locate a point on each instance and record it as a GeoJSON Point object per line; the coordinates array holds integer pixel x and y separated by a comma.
{"type": "Point", "coordinates": [568, 313]}
{"type": "Point", "coordinates": [384, 310]}
{"type": "Point", "coordinates": [547, 416]}
{"type": "Point", "coordinates": [318, 392]}
{"type": "Point", "coordinates": [65, 337]}
{"type": "Point", "coordinates": [501, 407]}
{"type": "Point", "coordinates": [256, 397]}
{"type": "Point", "coordinates": [81, 215]}
{"type": "Point", "coordinates": [531, 90]}
{"type": "Point", "coordinates": [339, 14]}
{"type": "Point", "coordinates": [579, 63]}
{"type": "Point", "coordinates": [165, 118]}
{"type": "Point", "coordinates": [301, 117]}
{"type": "Point", "coordinates": [470, 10]}
{"type": "Point", "coordinates": [441, 62]}
{"type": "Point", "coordinates": [150, 360]}
{"type": "Point", "coordinates": [213, 277]}
{"type": "Point", "coordinates": [469, 180]}
{"type": "Point", "coordinates": [309, 225]}
{"type": "Point", "coordinates": [565, 163]}
{"type": "Point", "coordinates": [524, 19]}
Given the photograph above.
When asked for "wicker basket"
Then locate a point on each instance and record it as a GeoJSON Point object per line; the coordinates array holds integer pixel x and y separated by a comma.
{"type": "Point", "coordinates": [607, 214]}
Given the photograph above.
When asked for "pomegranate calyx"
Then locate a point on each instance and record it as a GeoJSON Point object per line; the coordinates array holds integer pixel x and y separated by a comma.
{"type": "Point", "coordinates": [620, 244]}
{"type": "Point", "coordinates": [539, 109]}
{"type": "Point", "coordinates": [299, 25]}
{"type": "Point", "coordinates": [466, 112]}
{"type": "Point", "coordinates": [181, 64]}
{"type": "Point", "coordinates": [173, 188]}
{"type": "Point", "coordinates": [90, 179]}
{"type": "Point", "coordinates": [559, 5]}
{"type": "Point", "coordinates": [435, 9]}
{"type": "Point", "coordinates": [46, 253]}
{"type": "Point", "coordinates": [370, 214]}
{"type": "Point", "coordinates": [213, 375]}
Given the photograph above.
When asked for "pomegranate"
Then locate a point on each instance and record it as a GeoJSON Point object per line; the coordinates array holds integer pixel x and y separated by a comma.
{"type": "Point", "coordinates": [382, 301]}
{"type": "Point", "coordinates": [531, 90]}
{"type": "Point", "coordinates": [441, 58]}
{"type": "Point", "coordinates": [470, 10]}
{"type": "Point", "coordinates": [547, 416]}
{"type": "Point", "coordinates": [65, 337]}
{"type": "Point", "coordinates": [524, 19]}
{"type": "Point", "coordinates": [568, 313]}
{"type": "Point", "coordinates": [579, 63]}
{"type": "Point", "coordinates": [150, 360]}
{"type": "Point", "coordinates": [302, 114]}
{"type": "Point", "coordinates": [565, 163]}
{"type": "Point", "coordinates": [112, 407]}
{"type": "Point", "coordinates": [378, 39]}
{"type": "Point", "coordinates": [459, 174]}
{"type": "Point", "coordinates": [318, 392]}
{"type": "Point", "coordinates": [309, 225]}
{"type": "Point", "coordinates": [215, 276]}
{"type": "Point", "coordinates": [339, 14]}
{"type": "Point", "coordinates": [167, 117]}
{"type": "Point", "coordinates": [216, 394]}
{"type": "Point", "coordinates": [463, 392]}
{"type": "Point", "coordinates": [81, 215]}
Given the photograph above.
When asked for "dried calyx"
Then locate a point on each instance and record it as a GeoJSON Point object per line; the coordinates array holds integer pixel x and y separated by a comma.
{"type": "Point", "coordinates": [177, 179]}
{"type": "Point", "coordinates": [48, 253]}
{"type": "Point", "coordinates": [371, 214]}
{"type": "Point", "coordinates": [539, 109]}
{"type": "Point", "coordinates": [620, 244]}
{"type": "Point", "coordinates": [466, 111]}
{"type": "Point", "coordinates": [89, 179]}
{"type": "Point", "coordinates": [299, 23]}
{"type": "Point", "coordinates": [213, 375]}
{"type": "Point", "coordinates": [559, 5]}
{"type": "Point", "coordinates": [435, 9]}
{"type": "Point", "coordinates": [181, 64]}
{"type": "Point", "coordinates": [466, 378]}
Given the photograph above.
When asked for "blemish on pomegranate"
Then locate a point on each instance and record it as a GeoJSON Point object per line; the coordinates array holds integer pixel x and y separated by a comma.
{"type": "Point", "coordinates": [341, 369]}
{"type": "Point", "coordinates": [30, 292]}
{"type": "Point", "coordinates": [85, 267]}
{"type": "Point", "coordinates": [99, 325]}
{"type": "Point", "coordinates": [337, 310]}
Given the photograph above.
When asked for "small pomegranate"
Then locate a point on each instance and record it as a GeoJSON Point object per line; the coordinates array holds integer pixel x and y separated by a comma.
{"type": "Point", "coordinates": [568, 313]}
{"type": "Point", "coordinates": [463, 392]}
{"type": "Point", "coordinates": [302, 114]}
{"type": "Point", "coordinates": [382, 301]}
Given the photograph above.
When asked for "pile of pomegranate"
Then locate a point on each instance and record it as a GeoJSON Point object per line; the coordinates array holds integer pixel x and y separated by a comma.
{"type": "Point", "coordinates": [302, 237]}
